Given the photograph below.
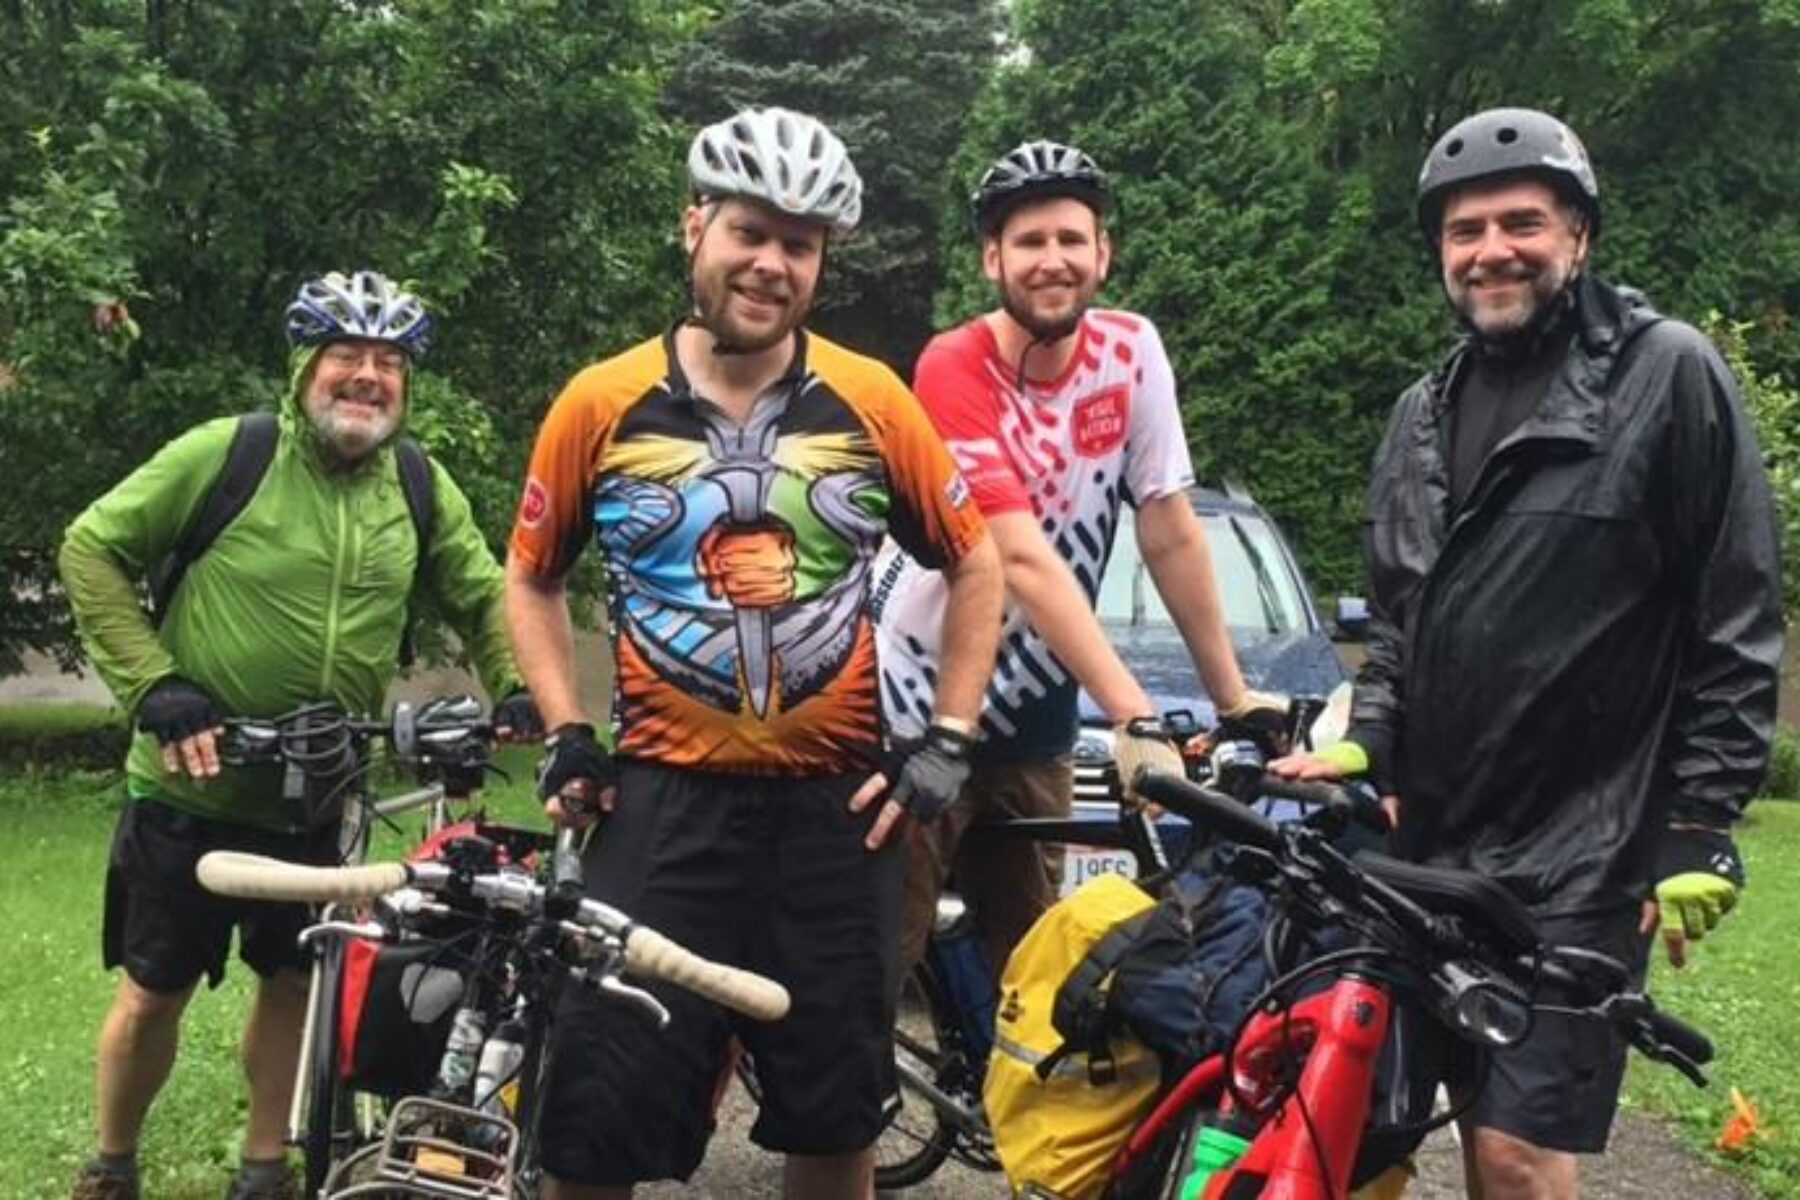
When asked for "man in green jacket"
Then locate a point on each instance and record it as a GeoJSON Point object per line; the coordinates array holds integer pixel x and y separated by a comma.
{"type": "Point", "coordinates": [303, 597]}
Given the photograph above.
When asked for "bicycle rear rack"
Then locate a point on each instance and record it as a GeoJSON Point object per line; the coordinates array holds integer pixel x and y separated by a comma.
{"type": "Point", "coordinates": [432, 1151]}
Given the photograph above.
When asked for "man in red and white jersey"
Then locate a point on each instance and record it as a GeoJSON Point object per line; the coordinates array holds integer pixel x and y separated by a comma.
{"type": "Point", "coordinates": [1057, 414]}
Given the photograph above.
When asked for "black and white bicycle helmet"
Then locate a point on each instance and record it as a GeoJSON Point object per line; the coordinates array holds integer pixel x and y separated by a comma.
{"type": "Point", "coordinates": [1507, 141]}
{"type": "Point", "coordinates": [365, 304]}
{"type": "Point", "coordinates": [785, 159]}
{"type": "Point", "coordinates": [1032, 170]}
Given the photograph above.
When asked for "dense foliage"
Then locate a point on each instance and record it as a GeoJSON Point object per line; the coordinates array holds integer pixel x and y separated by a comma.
{"type": "Point", "coordinates": [1267, 151]}
{"type": "Point", "coordinates": [170, 170]}
{"type": "Point", "coordinates": [894, 79]}
{"type": "Point", "coordinates": [196, 161]}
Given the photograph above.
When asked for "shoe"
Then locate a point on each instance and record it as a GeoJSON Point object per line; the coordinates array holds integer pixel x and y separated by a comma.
{"type": "Point", "coordinates": [282, 1189]}
{"type": "Point", "coordinates": [97, 1183]}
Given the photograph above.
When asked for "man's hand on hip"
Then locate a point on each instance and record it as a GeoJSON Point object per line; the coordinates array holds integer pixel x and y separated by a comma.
{"type": "Point", "coordinates": [185, 722]}
{"type": "Point", "coordinates": [927, 776]}
{"type": "Point", "coordinates": [1698, 877]}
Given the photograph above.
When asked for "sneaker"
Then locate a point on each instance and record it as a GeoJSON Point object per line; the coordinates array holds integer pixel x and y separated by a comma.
{"type": "Point", "coordinates": [97, 1183]}
{"type": "Point", "coordinates": [282, 1189]}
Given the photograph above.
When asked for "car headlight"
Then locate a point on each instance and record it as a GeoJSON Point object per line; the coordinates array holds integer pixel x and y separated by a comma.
{"type": "Point", "coordinates": [1094, 745]}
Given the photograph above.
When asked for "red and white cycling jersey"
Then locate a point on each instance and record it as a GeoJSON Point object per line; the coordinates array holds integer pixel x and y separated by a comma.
{"type": "Point", "coordinates": [1071, 451]}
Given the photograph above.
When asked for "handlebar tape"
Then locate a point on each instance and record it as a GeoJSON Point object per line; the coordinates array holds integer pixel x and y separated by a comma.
{"type": "Point", "coordinates": [254, 877]}
{"type": "Point", "coordinates": [1209, 809]}
{"type": "Point", "coordinates": [649, 953]}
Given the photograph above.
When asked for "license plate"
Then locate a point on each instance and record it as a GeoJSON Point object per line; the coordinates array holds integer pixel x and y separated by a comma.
{"type": "Point", "coordinates": [1082, 863]}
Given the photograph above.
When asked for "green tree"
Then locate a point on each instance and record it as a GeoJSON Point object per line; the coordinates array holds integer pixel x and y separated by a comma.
{"type": "Point", "coordinates": [197, 161]}
{"type": "Point", "coordinates": [1266, 154]}
{"type": "Point", "coordinates": [894, 79]}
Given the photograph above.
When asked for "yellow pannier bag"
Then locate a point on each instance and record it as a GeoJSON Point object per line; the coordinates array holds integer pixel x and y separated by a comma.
{"type": "Point", "coordinates": [1062, 1102]}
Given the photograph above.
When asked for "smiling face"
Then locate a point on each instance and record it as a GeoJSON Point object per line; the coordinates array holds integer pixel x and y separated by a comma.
{"type": "Point", "coordinates": [1508, 250]}
{"type": "Point", "coordinates": [755, 271]}
{"type": "Point", "coordinates": [1048, 259]}
{"type": "Point", "coordinates": [356, 396]}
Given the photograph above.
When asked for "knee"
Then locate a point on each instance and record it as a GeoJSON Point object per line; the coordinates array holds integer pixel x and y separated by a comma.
{"type": "Point", "coordinates": [138, 1010]}
{"type": "Point", "coordinates": [1511, 1168]}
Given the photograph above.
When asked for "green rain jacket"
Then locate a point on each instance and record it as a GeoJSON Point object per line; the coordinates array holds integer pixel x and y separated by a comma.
{"type": "Point", "coordinates": [302, 598]}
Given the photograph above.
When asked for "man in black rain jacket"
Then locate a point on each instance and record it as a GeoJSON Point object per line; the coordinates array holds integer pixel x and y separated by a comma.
{"type": "Point", "coordinates": [1575, 626]}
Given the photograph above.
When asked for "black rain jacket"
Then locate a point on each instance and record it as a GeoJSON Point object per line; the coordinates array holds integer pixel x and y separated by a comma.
{"type": "Point", "coordinates": [1590, 648]}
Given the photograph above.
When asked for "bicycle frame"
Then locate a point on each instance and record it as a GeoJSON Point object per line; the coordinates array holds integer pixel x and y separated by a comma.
{"type": "Point", "coordinates": [1306, 1149]}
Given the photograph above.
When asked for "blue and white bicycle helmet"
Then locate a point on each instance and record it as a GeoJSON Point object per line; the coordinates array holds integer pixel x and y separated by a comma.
{"type": "Point", "coordinates": [785, 159]}
{"type": "Point", "coordinates": [366, 304]}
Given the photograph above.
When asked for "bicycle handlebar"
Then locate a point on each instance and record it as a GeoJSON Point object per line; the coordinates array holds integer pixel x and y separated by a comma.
{"type": "Point", "coordinates": [1660, 1036]}
{"type": "Point", "coordinates": [646, 952]}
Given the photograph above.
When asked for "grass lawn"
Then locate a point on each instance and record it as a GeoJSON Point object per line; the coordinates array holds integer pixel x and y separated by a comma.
{"type": "Point", "coordinates": [53, 995]}
{"type": "Point", "coordinates": [1743, 989]}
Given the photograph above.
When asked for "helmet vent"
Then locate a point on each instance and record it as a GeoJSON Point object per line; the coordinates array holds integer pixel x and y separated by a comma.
{"type": "Point", "coordinates": [1507, 135]}
{"type": "Point", "coordinates": [1453, 149]}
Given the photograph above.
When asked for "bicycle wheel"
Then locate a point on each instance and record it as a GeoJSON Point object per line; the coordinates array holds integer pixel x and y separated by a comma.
{"type": "Point", "coordinates": [330, 1126]}
{"type": "Point", "coordinates": [919, 1138]}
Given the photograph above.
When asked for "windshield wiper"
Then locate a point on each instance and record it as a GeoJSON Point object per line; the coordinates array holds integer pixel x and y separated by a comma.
{"type": "Point", "coordinates": [1265, 586]}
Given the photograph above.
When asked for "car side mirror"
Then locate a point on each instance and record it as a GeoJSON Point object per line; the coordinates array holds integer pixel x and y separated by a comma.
{"type": "Point", "coordinates": [1352, 623]}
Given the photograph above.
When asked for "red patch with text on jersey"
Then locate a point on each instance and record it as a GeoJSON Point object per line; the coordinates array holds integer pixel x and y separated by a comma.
{"type": "Point", "coordinates": [534, 504]}
{"type": "Point", "coordinates": [1100, 421]}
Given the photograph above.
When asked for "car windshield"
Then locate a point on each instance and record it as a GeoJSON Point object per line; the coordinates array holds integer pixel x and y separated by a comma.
{"type": "Point", "coordinates": [1256, 583]}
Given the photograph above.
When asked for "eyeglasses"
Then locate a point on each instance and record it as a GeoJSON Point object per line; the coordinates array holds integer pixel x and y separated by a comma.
{"type": "Point", "coordinates": [346, 357]}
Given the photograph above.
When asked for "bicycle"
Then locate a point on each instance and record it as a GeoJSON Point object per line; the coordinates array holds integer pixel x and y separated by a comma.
{"type": "Point", "coordinates": [327, 761]}
{"type": "Point", "coordinates": [1294, 1083]}
{"type": "Point", "coordinates": [519, 936]}
{"type": "Point", "coordinates": [944, 1022]}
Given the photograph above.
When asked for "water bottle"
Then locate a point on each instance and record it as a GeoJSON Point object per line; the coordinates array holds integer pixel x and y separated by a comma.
{"type": "Point", "coordinates": [500, 1059]}
{"type": "Point", "coordinates": [457, 1067]}
{"type": "Point", "coordinates": [1216, 1149]}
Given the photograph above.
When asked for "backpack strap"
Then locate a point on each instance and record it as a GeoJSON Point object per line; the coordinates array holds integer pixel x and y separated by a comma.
{"type": "Point", "coordinates": [1080, 1013]}
{"type": "Point", "coordinates": [246, 462]}
{"type": "Point", "coordinates": [421, 502]}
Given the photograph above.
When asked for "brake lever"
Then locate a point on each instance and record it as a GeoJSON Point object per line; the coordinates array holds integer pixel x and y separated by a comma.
{"type": "Point", "coordinates": [611, 987]}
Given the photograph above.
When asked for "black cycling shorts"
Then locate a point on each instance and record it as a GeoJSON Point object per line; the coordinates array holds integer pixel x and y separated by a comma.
{"type": "Point", "coordinates": [766, 874]}
{"type": "Point", "coordinates": [166, 930]}
{"type": "Point", "coordinates": [1560, 1087]}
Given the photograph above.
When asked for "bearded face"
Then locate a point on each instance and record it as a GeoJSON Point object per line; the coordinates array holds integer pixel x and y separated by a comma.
{"type": "Point", "coordinates": [357, 396]}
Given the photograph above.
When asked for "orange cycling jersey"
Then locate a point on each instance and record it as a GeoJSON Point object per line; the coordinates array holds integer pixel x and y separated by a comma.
{"type": "Point", "coordinates": [738, 556]}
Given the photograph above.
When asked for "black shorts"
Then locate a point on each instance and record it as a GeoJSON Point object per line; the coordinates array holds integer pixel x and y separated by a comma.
{"type": "Point", "coordinates": [766, 874]}
{"type": "Point", "coordinates": [1560, 1087]}
{"type": "Point", "coordinates": [166, 930]}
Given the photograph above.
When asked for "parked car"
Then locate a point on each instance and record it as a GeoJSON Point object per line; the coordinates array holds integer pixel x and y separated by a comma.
{"type": "Point", "coordinates": [1282, 645]}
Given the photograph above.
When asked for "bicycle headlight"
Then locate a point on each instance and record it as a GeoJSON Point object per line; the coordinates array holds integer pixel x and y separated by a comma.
{"type": "Point", "coordinates": [1490, 1010]}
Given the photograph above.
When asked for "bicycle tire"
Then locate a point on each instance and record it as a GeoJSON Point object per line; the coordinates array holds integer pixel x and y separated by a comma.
{"type": "Point", "coordinates": [916, 1142]}
{"type": "Point", "coordinates": [329, 1131]}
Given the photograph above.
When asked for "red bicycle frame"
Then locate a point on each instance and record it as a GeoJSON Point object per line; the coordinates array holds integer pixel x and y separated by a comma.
{"type": "Point", "coordinates": [1319, 1127]}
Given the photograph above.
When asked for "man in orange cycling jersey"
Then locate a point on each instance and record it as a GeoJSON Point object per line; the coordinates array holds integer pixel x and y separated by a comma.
{"type": "Point", "coordinates": [737, 474]}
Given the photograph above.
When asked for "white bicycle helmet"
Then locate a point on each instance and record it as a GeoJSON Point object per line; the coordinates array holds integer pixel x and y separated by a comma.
{"type": "Point", "coordinates": [785, 159]}
{"type": "Point", "coordinates": [366, 304]}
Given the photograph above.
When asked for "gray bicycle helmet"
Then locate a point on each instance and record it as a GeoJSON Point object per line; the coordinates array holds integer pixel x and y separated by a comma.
{"type": "Point", "coordinates": [1032, 170]}
{"type": "Point", "coordinates": [366, 304]}
{"type": "Point", "coordinates": [1506, 141]}
{"type": "Point", "coordinates": [785, 159]}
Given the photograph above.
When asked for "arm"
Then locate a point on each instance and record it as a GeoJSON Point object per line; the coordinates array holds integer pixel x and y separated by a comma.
{"type": "Point", "coordinates": [972, 613]}
{"type": "Point", "coordinates": [1727, 550]}
{"type": "Point", "coordinates": [1039, 579]}
{"type": "Point", "coordinates": [118, 539]}
{"type": "Point", "coordinates": [543, 642]}
{"type": "Point", "coordinates": [1173, 544]}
